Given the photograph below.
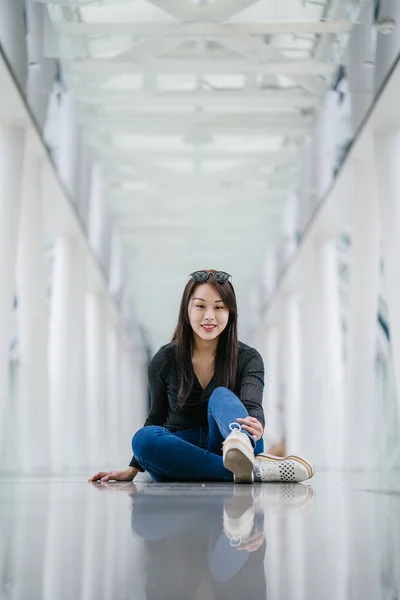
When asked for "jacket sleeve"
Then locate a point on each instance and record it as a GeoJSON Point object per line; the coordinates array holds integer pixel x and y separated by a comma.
{"type": "Point", "coordinates": [252, 386]}
{"type": "Point", "coordinates": [159, 397]}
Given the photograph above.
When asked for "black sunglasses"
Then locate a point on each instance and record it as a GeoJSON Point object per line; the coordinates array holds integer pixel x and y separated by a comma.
{"type": "Point", "coordinates": [202, 276]}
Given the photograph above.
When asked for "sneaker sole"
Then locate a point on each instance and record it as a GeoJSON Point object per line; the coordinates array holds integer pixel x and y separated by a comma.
{"type": "Point", "coordinates": [309, 467]}
{"type": "Point", "coordinates": [240, 465]}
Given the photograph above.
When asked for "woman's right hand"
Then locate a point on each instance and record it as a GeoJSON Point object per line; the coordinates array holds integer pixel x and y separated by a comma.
{"type": "Point", "coordinates": [128, 475]}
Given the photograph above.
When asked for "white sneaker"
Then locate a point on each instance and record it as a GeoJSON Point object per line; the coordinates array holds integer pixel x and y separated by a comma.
{"type": "Point", "coordinates": [283, 498]}
{"type": "Point", "coordinates": [239, 516]}
{"type": "Point", "coordinates": [238, 455]}
{"type": "Point", "coordinates": [290, 469]}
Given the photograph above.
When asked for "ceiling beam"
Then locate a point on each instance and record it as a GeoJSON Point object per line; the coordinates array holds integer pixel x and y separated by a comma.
{"type": "Point", "coordinates": [253, 48]}
{"type": "Point", "coordinates": [280, 100]}
{"type": "Point", "coordinates": [124, 199]}
{"type": "Point", "coordinates": [150, 47]}
{"type": "Point", "coordinates": [159, 119]}
{"type": "Point", "coordinates": [178, 217]}
{"type": "Point", "coordinates": [201, 66]}
{"type": "Point", "coordinates": [172, 226]}
{"type": "Point", "coordinates": [135, 156]}
{"type": "Point", "coordinates": [198, 123]}
{"type": "Point", "coordinates": [177, 129]}
{"type": "Point", "coordinates": [274, 27]}
{"type": "Point", "coordinates": [118, 157]}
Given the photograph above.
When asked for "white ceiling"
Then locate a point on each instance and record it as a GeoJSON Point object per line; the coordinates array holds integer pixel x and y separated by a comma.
{"type": "Point", "coordinates": [197, 112]}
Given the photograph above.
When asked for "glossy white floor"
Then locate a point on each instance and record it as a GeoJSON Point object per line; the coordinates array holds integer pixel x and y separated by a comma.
{"type": "Point", "coordinates": [63, 539]}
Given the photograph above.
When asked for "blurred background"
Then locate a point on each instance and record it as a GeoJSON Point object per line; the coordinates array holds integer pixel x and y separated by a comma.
{"type": "Point", "coordinates": [143, 140]}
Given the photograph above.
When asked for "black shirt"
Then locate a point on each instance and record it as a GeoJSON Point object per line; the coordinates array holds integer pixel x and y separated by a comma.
{"type": "Point", "coordinates": [164, 386]}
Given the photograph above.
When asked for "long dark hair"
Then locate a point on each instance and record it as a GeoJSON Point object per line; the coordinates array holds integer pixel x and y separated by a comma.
{"type": "Point", "coordinates": [227, 350]}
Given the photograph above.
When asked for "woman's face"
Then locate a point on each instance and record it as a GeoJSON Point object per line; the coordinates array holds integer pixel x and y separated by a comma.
{"type": "Point", "coordinates": [206, 307]}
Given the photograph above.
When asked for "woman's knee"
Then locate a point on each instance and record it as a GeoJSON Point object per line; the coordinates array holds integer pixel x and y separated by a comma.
{"type": "Point", "coordinates": [221, 394]}
{"type": "Point", "coordinates": [145, 439]}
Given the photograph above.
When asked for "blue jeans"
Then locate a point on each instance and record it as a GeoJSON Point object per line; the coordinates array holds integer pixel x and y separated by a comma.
{"type": "Point", "coordinates": [192, 454]}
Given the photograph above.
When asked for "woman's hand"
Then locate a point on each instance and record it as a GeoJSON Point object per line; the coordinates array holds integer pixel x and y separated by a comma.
{"type": "Point", "coordinates": [254, 543]}
{"type": "Point", "coordinates": [253, 426]}
{"type": "Point", "coordinates": [128, 475]}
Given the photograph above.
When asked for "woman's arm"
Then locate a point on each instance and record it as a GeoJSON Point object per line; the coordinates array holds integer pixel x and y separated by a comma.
{"type": "Point", "coordinates": [252, 386]}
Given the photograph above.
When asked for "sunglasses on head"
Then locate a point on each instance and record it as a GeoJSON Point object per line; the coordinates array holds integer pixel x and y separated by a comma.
{"type": "Point", "coordinates": [202, 276]}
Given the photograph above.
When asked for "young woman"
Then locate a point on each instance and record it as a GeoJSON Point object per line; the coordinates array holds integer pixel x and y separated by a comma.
{"type": "Point", "coordinates": [206, 419]}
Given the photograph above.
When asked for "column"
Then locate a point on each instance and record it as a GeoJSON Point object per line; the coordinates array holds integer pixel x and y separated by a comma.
{"type": "Point", "coordinates": [387, 46]}
{"type": "Point", "coordinates": [326, 144]}
{"type": "Point", "coordinates": [76, 316]}
{"type": "Point", "coordinates": [96, 357]}
{"type": "Point", "coordinates": [126, 429]}
{"type": "Point", "coordinates": [306, 187]}
{"type": "Point", "coordinates": [116, 266]}
{"type": "Point", "coordinates": [33, 325]}
{"type": "Point", "coordinates": [67, 356]}
{"type": "Point", "coordinates": [289, 228]}
{"type": "Point", "coordinates": [60, 351]}
{"type": "Point", "coordinates": [331, 396]}
{"type": "Point", "coordinates": [84, 181]}
{"type": "Point", "coordinates": [12, 36]}
{"type": "Point", "coordinates": [270, 274]}
{"type": "Point", "coordinates": [68, 163]}
{"type": "Point", "coordinates": [292, 375]}
{"type": "Point", "coordinates": [113, 415]}
{"type": "Point", "coordinates": [254, 321]}
{"type": "Point", "coordinates": [387, 152]}
{"type": "Point", "coordinates": [41, 70]}
{"type": "Point", "coordinates": [128, 424]}
{"type": "Point", "coordinates": [96, 213]}
{"type": "Point", "coordinates": [361, 63]}
{"type": "Point", "coordinates": [362, 320]}
{"type": "Point", "coordinates": [11, 159]}
{"type": "Point", "coordinates": [309, 288]}
{"type": "Point", "coordinates": [133, 407]}
{"type": "Point", "coordinates": [273, 414]}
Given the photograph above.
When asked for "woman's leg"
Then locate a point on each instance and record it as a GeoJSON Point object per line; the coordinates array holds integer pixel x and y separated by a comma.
{"type": "Point", "coordinates": [224, 407]}
{"type": "Point", "coordinates": [259, 448]}
{"type": "Point", "coordinates": [166, 457]}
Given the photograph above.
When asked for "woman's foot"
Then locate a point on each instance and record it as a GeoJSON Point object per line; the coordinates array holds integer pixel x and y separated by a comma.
{"type": "Point", "coordinates": [238, 455]}
{"type": "Point", "coordinates": [290, 469]}
{"type": "Point", "coordinates": [239, 515]}
{"type": "Point", "coordinates": [283, 498]}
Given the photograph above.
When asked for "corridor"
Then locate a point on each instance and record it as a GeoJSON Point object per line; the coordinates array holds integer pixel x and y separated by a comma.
{"type": "Point", "coordinates": [199, 195]}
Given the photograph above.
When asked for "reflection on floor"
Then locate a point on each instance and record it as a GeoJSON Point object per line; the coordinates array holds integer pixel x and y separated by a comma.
{"type": "Point", "coordinates": [338, 539]}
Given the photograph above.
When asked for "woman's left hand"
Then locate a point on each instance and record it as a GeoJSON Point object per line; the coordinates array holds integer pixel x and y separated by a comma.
{"type": "Point", "coordinates": [253, 426]}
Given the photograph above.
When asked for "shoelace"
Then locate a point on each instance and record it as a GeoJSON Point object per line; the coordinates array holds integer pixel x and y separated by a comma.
{"type": "Point", "coordinates": [237, 427]}
{"type": "Point", "coordinates": [235, 541]}
{"type": "Point", "coordinates": [264, 469]}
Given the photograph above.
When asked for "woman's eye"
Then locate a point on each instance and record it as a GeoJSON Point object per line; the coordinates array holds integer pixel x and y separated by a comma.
{"type": "Point", "coordinates": [201, 306]}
